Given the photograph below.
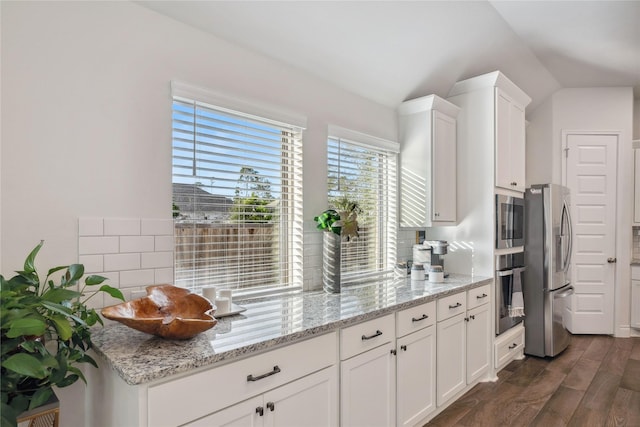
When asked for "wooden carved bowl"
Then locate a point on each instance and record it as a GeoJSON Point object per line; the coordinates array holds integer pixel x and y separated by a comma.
{"type": "Point", "coordinates": [167, 311]}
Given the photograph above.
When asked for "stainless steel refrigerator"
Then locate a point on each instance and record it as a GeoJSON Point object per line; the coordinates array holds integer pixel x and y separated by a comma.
{"type": "Point", "coordinates": [547, 277]}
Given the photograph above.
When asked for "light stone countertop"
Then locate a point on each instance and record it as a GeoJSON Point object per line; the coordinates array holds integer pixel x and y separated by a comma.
{"type": "Point", "coordinates": [267, 323]}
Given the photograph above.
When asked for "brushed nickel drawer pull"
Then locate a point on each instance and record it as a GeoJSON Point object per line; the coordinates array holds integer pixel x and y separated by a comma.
{"type": "Point", "coordinates": [377, 334]}
{"type": "Point", "coordinates": [424, 316]}
{"type": "Point", "coordinates": [455, 306]}
{"type": "Point", "coordinates": [275, 370]}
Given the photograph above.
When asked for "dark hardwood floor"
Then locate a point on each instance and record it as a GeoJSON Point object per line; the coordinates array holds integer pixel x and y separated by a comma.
{"type": "Point", "coordinates": [594, 382]}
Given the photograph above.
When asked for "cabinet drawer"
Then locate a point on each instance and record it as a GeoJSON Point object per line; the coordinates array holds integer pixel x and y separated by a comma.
{"type": "Point", "coordinates": [367, 335]}
{"type": "Point", "coordinates": [184, 399]}
{"type": "Point", "coordinates": [452, 305]}
{"type": "Point", "coordinates": [635, 272]}
{"type": "Point", "coordinates": [478, 296]}
{"type": "Point", "coordinates": [509, 346]}
{"type": "Point", "coordinates": [415, 318]}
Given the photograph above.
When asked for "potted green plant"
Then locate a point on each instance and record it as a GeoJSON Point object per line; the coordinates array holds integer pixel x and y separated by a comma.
{"type": "Point", "coordinates": [45, 333]}
{"type": "Point", "coordinates": [340, 223]}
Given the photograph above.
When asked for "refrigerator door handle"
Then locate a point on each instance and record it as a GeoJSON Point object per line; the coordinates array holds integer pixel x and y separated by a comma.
{"type": "Point", "coordinates": [566, 258]}
{"type": "Point", "coordinates": [566, 293]}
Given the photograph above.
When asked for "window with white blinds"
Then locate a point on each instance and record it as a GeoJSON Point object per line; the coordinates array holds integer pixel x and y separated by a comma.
{"type": "Point", "coordinates": [366, 175]}
{"type": "Point", "coordinates": [237, 200]}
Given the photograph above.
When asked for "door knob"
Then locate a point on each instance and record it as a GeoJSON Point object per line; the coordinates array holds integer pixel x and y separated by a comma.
{"type": "Point", "coordinates": [612, 260]}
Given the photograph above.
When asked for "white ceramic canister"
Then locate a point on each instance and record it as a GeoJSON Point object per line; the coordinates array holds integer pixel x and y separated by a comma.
{"type": "Point", "coordinates": [417, 272]}
{"type": "Point", "coordinates": [436, 274]}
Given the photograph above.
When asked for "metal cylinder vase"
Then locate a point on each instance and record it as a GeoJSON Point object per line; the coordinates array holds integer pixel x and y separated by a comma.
{"type": "Point", "coordinates": [331, 251]}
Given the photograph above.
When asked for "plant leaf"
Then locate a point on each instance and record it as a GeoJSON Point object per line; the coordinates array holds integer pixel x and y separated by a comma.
{"type": "Point", "coordinates": [116, 293]}
{"type": "Point", "coordinates": [40, 397]}
{"type": "Point", "coordinates": [63, 310]}
{"type": "Point", "coordinates": [58, 268]}
{"type": "Point", "coordinates": [63, 327]}
{"type": "Point", "coordinates": [76, 271]}
{"type": "Point", "coordinates": [58, 295]}
{"type": "Point", "coordinates": [94, 280]}
{"type": "Point", "coordinates": [26, 326]}
{"type": "Point", "coordinates": [29, 263]}
{"type": "Point", "coordinates": [26, 364]}
{"type": "Point", "coordinates": [8, 415]}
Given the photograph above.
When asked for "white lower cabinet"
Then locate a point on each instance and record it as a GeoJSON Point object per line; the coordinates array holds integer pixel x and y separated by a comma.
{"type": "Point", "coordinates": [310, 401]}
{"type": "Point", "coordinates": [509, 346]}
{"type": "Point", "coordinates": [415, 364]}
{"type": "Point", "coordinates": [368, 378]}
{"type": "Point", "coordinates": [478, 333]}
{"type": "Point", "coordinates": [451, 358]}
{"type": "Point", "coordinates": [285, 381]}
{"type": "Point", "coordinates": [463, 341]}
{"type": "Point", "coordinates": [635, 294]}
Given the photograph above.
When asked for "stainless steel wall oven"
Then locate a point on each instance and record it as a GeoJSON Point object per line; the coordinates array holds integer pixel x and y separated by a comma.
{"type": "Point", "coordinates": [509, 221]}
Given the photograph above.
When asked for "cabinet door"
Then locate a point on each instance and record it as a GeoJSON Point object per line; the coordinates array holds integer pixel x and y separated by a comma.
{"type": "Point", "coordinates": [310, 401]}
{"type": "Point", "coordinates": [443, 167]}
{"type": "Point", "coordinates": [368, 388]}
{"type": "Point", "coordinates": [509, 143]}
{"type": "Point", "coordinates": [451, 358]}
{"type": "Point", "coordinates": [517, 149]}
{"type": "Point", "coordinates": [478, 345]}
{"type": "Point", "coordinates": [635, 303]}
{"type": "Point", "coordinates": [416, 374]}
{"type": "Point", "coordinates": [244, 414]}
{"type": "Point", "coordinates": [636, 188]}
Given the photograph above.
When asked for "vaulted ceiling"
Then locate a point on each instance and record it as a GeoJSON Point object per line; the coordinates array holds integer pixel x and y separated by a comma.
{"type": "Point", "coordinates": [391, 51]}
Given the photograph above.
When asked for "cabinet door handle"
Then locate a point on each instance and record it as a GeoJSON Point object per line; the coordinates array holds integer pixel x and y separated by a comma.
{"type": "Point", "coordinates": [275, 370]}
{"type": "Point", "coordinates": [393, 351]}
{"type": "Point", "coordinates": [403, 347]}
{"type": "Point", "coordinates": [514, 183]}
{"type": "Point", "coordinates": [377, 334]}
{"type": "Point", "coordinates": [455, 306]}
{"type": "Point", "coordinates": [424, 316]}
{"type": "Point", "coordinates": [512, 346]}
{"type": "Point", "coordinates": [271, 406]}
{"type": "Point", "coordinates": [260, 411]}
{"type": "Point", "coordinates": [481, 296]}
{"type": "Point", "coordinates": [437, 214]}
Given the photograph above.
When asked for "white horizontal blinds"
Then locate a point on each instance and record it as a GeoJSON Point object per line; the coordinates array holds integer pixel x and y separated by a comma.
{"type": "Point", "coordinates": [237, 196]}
{"type": "Point", "coordinates": [366, 175]}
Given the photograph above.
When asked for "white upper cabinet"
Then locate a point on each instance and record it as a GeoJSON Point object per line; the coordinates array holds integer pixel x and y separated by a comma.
{"type": "Point", "coordinates": [636, 187]}
{"type": "Point", "coordinates": [510, 142]}
{"type": "Point", "coordinates": [497, 109]}
{"type": "Point", "coordinates": [427, 128]}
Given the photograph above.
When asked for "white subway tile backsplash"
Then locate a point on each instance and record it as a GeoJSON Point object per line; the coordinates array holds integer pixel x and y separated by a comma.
{"type": "Point", "coordinates": [92, 263]}
{"type": "Point", "coordinates": [98, 245]}
{"type": "Point", "coordinates": [119, 262]}
{"type": "Point", "coordinates": [90, 227]}
{"type": "Point", "coordinates": [157, 260]}
{"type": "Point", "coordinates": [137, 244]}
{"type": "Point", "coordinates": [163, 276]}
{"type": "Point", "coordinates": [133, 278]}
{"type": "Point", "coordinates": [157, 227]}
{"type": "Point", "coordinates": [113, 278]}
{"type": "Point", "coordinates": [164, 243]}
{"type": "Point", "coordinates": [121, 227]}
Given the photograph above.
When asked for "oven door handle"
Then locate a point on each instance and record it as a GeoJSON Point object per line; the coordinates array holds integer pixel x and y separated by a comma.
{"type": "Point", "coordinates": [502, 273]}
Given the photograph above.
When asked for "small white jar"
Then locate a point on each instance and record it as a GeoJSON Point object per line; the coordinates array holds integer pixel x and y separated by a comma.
{"type": "Point", "coordinates": [436, 274]}
{"type": "Point", "coordinates": [417, 272]}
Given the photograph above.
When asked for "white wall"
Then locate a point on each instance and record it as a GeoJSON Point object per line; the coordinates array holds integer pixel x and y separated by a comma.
{"type": "Point", "coordinates": [87, 115]}
{"type": "Point", "coordinates": [604, 109]}
{"type": "Point", "coordinates": [540, 155]}
{"type": "Point", "coordinates": [86, 124]}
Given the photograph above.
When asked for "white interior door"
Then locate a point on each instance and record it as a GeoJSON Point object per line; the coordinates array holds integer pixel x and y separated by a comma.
{"type": "Point", "coordinates": [591, 164]}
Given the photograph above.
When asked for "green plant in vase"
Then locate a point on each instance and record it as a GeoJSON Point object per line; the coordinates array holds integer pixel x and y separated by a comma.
{"type": "Point", "coordinates": [46, 333]}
